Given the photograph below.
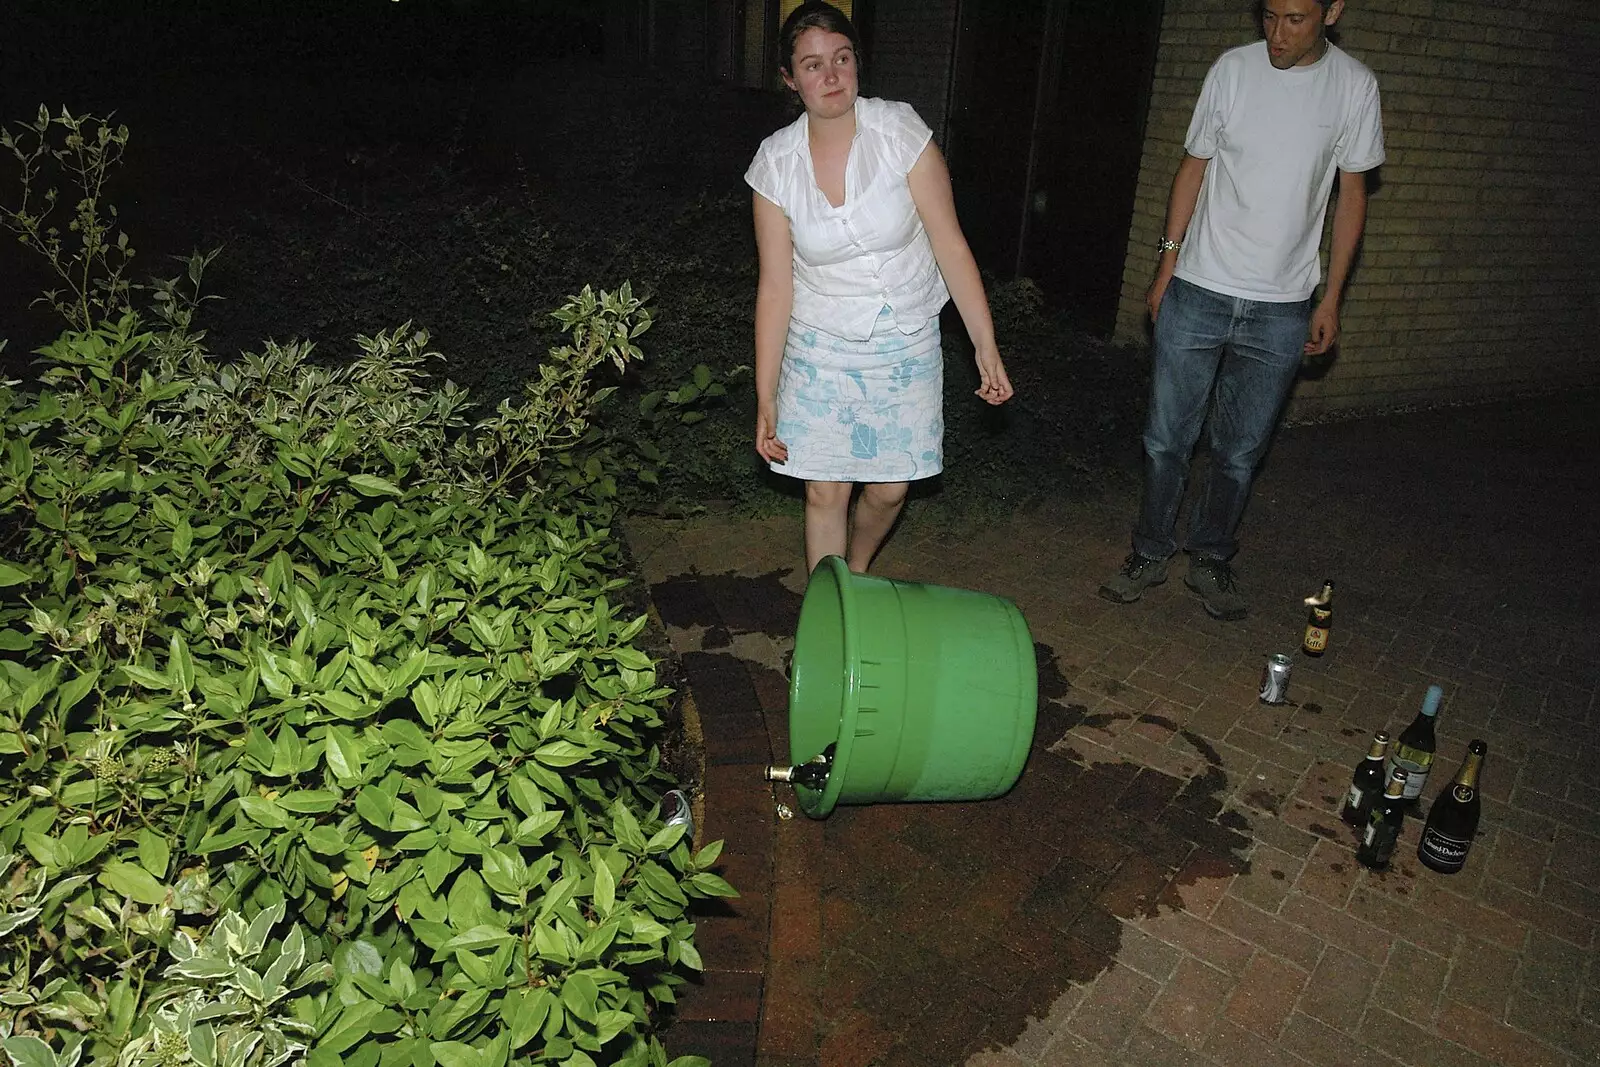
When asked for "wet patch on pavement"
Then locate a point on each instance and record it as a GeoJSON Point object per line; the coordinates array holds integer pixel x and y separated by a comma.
{"type": "Point", "coordinates": [945, 927]}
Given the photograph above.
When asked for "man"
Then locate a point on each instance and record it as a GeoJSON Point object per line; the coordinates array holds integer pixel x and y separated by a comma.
{"type": "Point", "coordinates": [1231, 301]}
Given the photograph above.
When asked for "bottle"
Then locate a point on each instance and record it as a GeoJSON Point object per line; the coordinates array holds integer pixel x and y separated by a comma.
{"type": "Point", "coordinates": [1366, 785]}
{"type": "Point", "coordinates": [1453, 819]}
{"type": "Point", "coordinates": [1383, 824]}
{"type": "Point", "coordinates": [1413, 752]}
{"type": "Point", "coordinates": [1319, 621]}
{"type": "Point", "coordinates": [813, 773]}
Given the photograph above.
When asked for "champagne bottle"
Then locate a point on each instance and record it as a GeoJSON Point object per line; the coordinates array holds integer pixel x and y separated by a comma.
{"type": "Point", "coordinates": [1413, 752]}
{"type": "Point", "coordinates": [1384, 823]}
{"type": "Point", "coordinates": [813, 773]}
{"type": "Point", "coordinates": [1319, 621]}
{"type": "Point", "coordinates": [1453, 819]}
{"type": "Point", "coordinates": [1366, 785]}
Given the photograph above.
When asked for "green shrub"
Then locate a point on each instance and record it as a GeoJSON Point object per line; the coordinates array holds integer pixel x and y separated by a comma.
{"type": "Point", "coordinates": [288, 640]}
{"type": "Point", "coordinates": [79, 245]}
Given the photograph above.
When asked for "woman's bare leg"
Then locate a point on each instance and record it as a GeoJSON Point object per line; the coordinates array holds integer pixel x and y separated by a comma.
{"type": "Point", "coordinates": [827, 520]}
{"type": "Point", "coordinates": [876, 511]}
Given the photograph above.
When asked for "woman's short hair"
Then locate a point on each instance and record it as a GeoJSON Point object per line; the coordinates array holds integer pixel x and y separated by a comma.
{"type": "Point", "coordinates": [813, 15]}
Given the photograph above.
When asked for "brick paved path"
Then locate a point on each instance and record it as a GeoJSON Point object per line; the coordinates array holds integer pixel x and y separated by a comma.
{"type": "Point", "coordinates": [1169, 883]}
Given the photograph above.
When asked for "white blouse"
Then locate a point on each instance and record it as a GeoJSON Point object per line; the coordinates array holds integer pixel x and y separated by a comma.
{"type": "Point", "coordinates": [851, 261]}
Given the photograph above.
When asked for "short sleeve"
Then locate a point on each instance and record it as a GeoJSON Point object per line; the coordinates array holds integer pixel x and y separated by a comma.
{"type": "Point", "coordinates": [763, 176]}
{"type": "Point", "coordinates": [907, 136]}
{"type": "Point", "coordinates": [1201, 140]}
{"type": "Point", "coordinates": [1360, 144]}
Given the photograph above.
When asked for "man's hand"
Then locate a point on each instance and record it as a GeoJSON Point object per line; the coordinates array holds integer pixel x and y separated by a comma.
{"type": "Point", "coordinates": [1158, 290]}
{"type": "Point", "coordinates": [1324, 328]}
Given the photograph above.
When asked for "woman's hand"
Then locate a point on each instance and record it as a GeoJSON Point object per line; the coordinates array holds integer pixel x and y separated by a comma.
{"type": "Point", "coordinates": [995, 387]}
{"type": "Point", "coordinates": [767, 444]}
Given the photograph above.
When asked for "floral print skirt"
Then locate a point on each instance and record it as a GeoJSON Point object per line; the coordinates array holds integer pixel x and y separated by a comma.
{"type": "Point", "coordinates": [862, 411]}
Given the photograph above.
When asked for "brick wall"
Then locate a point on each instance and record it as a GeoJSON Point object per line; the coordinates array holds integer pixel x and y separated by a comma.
{"type": "Point", "coordinates": [1478, 275]}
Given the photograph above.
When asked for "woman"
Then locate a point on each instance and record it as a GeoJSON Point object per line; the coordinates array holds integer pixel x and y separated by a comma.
{"type": "Point", "coordinates": [859, 249]}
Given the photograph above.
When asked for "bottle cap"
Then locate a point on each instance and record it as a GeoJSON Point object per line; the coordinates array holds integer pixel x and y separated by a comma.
{"type": "Point", "coordinates": [1430, 703]}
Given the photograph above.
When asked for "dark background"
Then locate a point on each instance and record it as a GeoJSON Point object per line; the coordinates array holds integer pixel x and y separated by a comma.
{"type": "Point", "coordinates": [363, 162]}
{"type": "Point", "coordinates": [466, 166]}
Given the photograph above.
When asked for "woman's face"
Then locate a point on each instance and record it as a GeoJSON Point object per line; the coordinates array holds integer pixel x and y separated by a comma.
{"type": "Point", "coordinates": [823, 72]}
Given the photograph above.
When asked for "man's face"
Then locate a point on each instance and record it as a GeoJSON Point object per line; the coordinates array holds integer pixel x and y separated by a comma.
{"type": "Point", "coordinates": [1295, 30]}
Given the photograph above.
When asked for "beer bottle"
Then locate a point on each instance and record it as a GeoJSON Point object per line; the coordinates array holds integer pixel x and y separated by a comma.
{"type": "Point", "coordinates": [1366, 785]}
{"type": "Point", "coordinates": [1453, 819]}
{"type": "Point", "coordinates": [1383, 824]}
{"type": "Point", "coordinates": [1413, 752]}
{"type": "Point", "coordinates": [1319, 620]}
{"type": "Point", "coordinates": [813, 773]}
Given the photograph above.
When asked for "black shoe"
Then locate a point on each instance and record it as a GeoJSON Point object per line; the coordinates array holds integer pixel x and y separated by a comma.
{"type": "Point", "coordinates": [1213, 582]}
{"type": "Point", "coordinates": [1138, 573]}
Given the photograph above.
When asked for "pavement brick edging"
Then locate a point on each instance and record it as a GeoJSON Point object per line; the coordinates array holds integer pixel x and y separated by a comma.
{"type": "Point", "coordinates": [742, 710]}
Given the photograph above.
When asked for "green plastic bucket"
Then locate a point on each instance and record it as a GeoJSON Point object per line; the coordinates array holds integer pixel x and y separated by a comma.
{"type": "Point", "coordinates": [927, 692]}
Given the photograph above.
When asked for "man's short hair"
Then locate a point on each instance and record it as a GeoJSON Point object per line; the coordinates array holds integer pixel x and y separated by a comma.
{"type": "Point", "coordinates": [1261, 7]}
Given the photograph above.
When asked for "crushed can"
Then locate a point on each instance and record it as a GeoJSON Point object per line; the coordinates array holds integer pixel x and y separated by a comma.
{"type": "Point", "coordinates": [1275, 679]}
{"type": "Point", "coordinates": [675, 811]}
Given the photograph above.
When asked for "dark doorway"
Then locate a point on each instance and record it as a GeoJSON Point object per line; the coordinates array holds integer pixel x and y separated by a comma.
{"type": "Point", "coordinates": [993, 98]}
{"type": "Point", "coordinates": [1088, 152]}
{"type": "Point", "coordinates": [1046, 132]}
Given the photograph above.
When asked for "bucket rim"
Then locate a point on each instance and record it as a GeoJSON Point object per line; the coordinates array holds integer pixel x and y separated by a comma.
{"type": "Point", "coordinates": [819, 804]}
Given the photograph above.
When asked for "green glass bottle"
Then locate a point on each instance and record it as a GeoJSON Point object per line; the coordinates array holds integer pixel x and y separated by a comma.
{"type": "Point", "coordinates": [1384, 823]}
{"type": "Point", "coordinates": [1413, 750]}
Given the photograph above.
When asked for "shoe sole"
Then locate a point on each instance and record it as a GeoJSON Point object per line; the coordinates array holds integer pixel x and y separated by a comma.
{"type": "Point", "coordinates": [1224, 616]}
{"type": "Point", "coordinates": [1108, 593]}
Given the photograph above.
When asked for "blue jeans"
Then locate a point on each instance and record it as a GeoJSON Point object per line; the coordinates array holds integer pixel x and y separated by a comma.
{"type": "Point", "coordinates": [1249, 351]}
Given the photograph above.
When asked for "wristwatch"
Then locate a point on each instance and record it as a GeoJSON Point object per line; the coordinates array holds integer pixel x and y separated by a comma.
{"type": "Point", "coordinates": [1167, 244]}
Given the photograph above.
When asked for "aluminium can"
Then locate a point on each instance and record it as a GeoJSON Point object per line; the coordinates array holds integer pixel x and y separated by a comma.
{"type": "Point", "coordinates": [1275, 679]}
{"type": "Point", "coordinates": [675, 811]}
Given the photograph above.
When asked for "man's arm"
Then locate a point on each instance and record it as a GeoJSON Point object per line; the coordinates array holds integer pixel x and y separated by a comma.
{"type": "Point", "coordinates": [1349, 220]}
{"type": "Point", "coordinates": [1180, 210]}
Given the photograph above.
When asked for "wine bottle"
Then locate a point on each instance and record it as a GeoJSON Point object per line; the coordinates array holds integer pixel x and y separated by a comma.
{"type": "Point", "coordinates": [813, 773]}
{"type": "Point", "coordinates": [1366, 784]}
{"type": "Point", "coordinates": [1388, 815]}
{"type": "Point", "coordinates": [1413, 752]}
{"type": "Point", "coordinates": [1453, 819]}
{"type": "Point", "coordinates": [1319, 620]}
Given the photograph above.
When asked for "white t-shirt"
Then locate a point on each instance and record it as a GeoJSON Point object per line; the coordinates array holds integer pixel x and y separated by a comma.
{"type": "Point", "coordinates": [1274, 139]}
{"type": "Point", "coordinates": [851, 261]}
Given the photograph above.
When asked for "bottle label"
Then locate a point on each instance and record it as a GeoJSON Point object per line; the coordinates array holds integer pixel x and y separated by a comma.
{"type": "Point", "coordinates": [1380, 839]}
{"type": "Point", "coordinates": [1316, 639]}
{"type": "Point", "coordinates": [1356, 797]}
{"type": "Point", "coordinates": [1447, 853]}
{"type": "Point", "coordinates": [1416, 763]}
{"type": "Point", "coordinates": [1463, 793]}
